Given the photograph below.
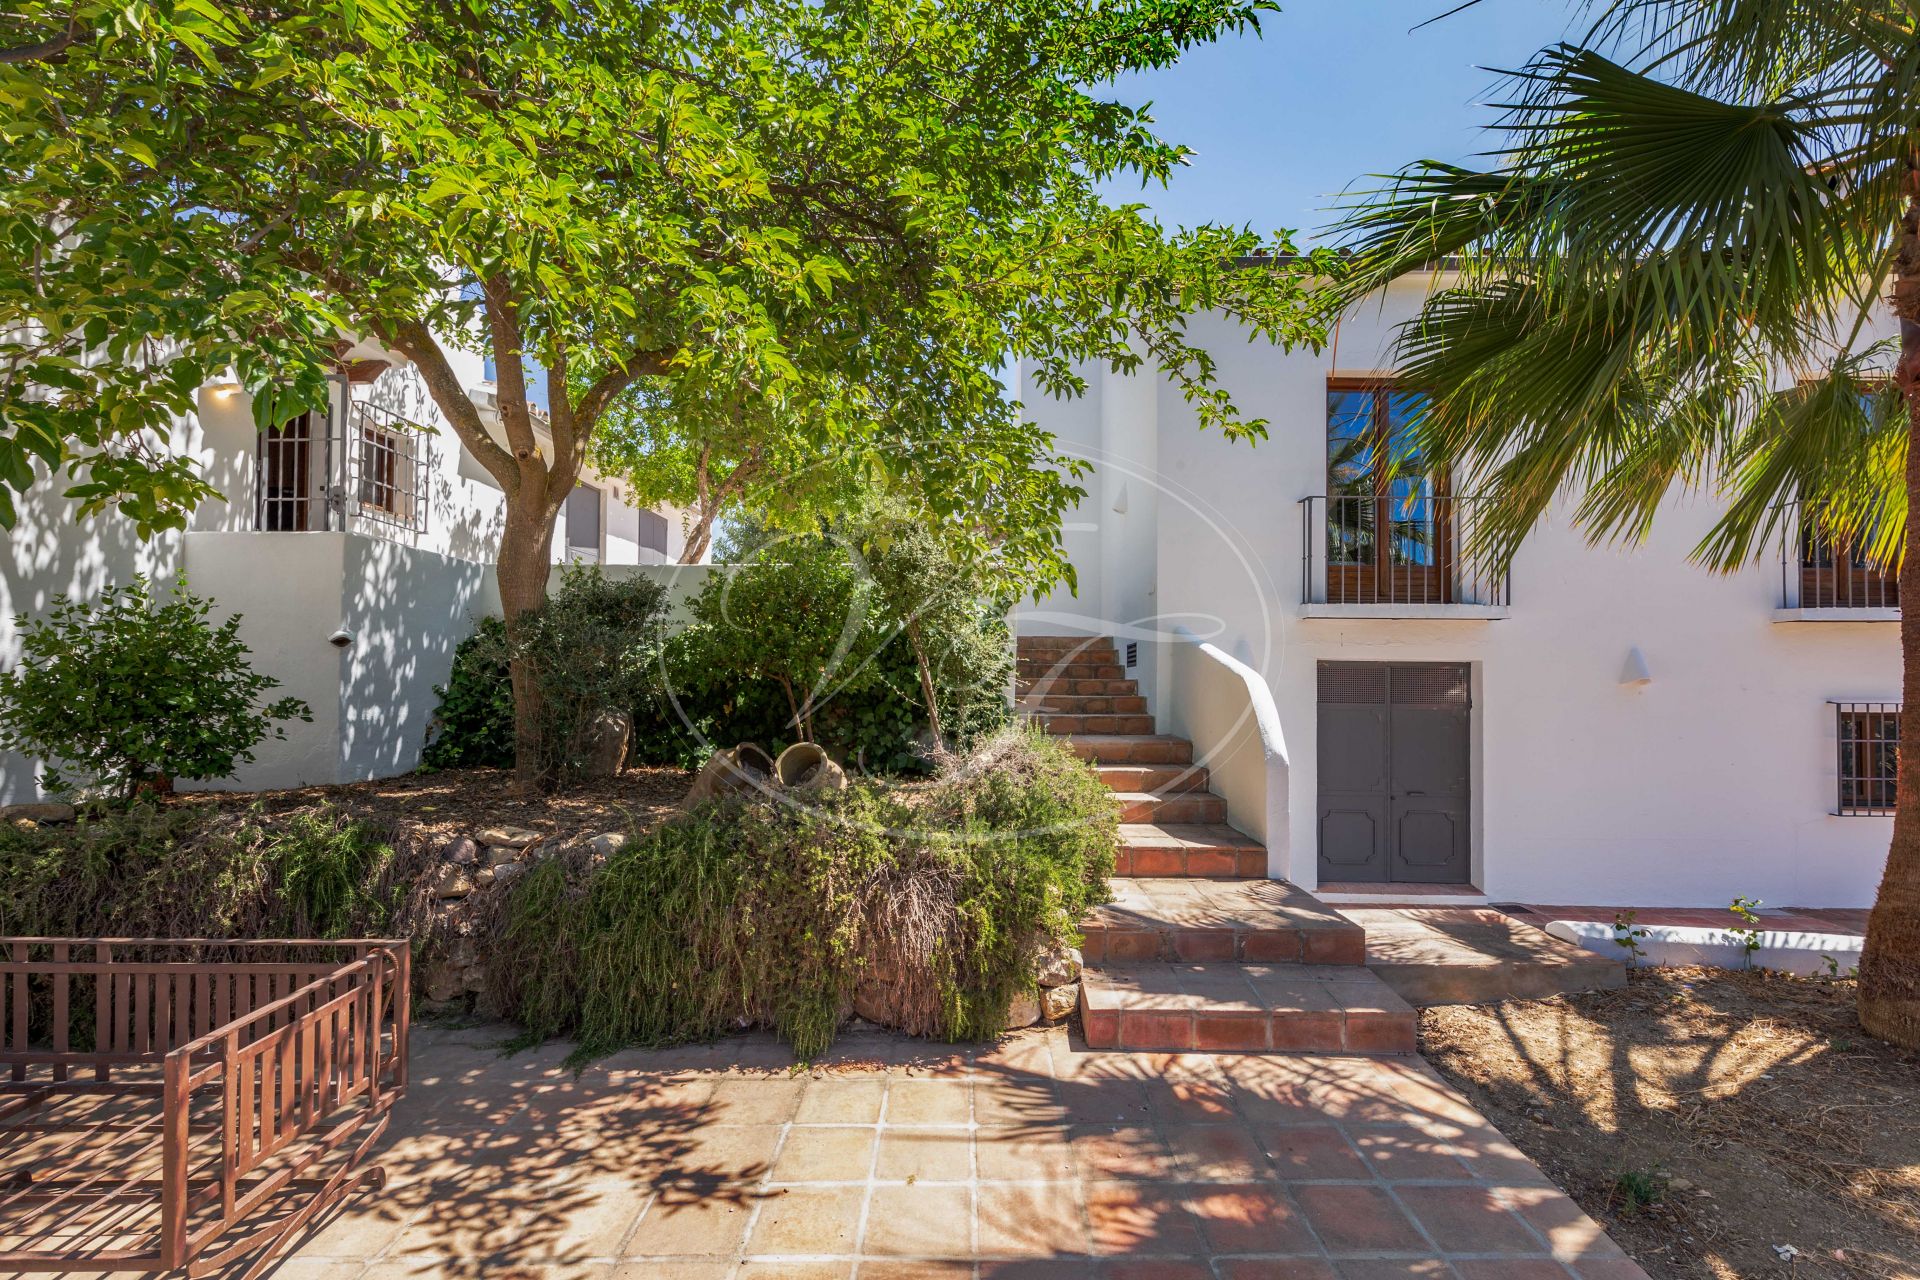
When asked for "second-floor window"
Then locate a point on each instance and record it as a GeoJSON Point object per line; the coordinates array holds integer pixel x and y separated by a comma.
{"type": "Point", "coordinates": [1389, 526]}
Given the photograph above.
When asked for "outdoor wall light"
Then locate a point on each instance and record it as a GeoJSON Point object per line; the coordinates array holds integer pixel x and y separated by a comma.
{"type": "Point", "coordinates": [340, 639]}
{"type": "Point", "coordinates": [1636, 674]}
{"type": "Point", "coordinates": [1120, 503]}
{"type": "Point", "coordinates": [224, 387]}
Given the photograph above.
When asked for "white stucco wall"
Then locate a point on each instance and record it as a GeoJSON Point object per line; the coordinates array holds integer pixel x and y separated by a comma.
{"type": "Point", "coordinates": [408, 596]}
{"type": "Point", "coordinates": [1713, 780]}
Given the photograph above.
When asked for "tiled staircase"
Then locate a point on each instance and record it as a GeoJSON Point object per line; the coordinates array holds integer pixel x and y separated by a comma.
{"type": "Point", "coordinates": [1198, 951]}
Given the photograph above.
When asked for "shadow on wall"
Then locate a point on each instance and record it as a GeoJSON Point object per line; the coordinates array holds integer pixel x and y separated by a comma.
{"type": "Point", "coordinates": [48, 553]}
{"type": "Point", "coordinates": [407, 611]}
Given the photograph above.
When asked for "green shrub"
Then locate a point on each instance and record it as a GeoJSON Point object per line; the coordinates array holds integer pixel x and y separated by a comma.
{"type": "Point", "coordinates": [201, 871]}
{"type": "Point", "coordinates": [593, 647]}
{"type": "Point", "coordinates": [776, 912]}
{"type": "Point", "coordinates": [130, 691]}
{"type": "Point", "coordinates": [474, 724]}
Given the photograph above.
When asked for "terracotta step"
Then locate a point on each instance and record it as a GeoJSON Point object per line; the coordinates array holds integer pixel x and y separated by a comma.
{"type": "Point", "coordinates": [1130, 748]}
{"type": "Point", "coordinates": [1111, 670]}
{"type": "Point", "coordinates": [1066, 722]}
{"type": "Point", "coordinates": [1176, 807]}
{"type": "Point", "coordinates": [1071, 648]}
{"type": "Point", "coordinates": [1157, 778]}
{"type": "Point", "coordinates": [1149, 849]}
{"type": "Point", "coordinates": [1241, 1008]}
{"type": "Point", "coordinates": [1092, 688]}
{"type": "Point", "coordinates": [1085, 704]}
{"type": "Point", "coordinates": [1196, 919]}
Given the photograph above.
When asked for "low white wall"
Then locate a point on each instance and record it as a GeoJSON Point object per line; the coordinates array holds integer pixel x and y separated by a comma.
{"type": "Point", "coordinates": [1225, 708]}
{"type": "Point", "coordinates": [286, 587]}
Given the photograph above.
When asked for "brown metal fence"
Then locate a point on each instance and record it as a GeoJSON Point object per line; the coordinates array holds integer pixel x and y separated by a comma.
{"type": "Point", "coordinates": [180, 1103]}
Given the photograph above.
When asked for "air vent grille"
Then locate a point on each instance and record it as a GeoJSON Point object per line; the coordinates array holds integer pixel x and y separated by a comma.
{"type": "Point", "coordinates": [1429, 684]}
{"type": "Point", "coordinates": [1133, 653]}
{"type": "Point", "coordinates": [1353, 682]}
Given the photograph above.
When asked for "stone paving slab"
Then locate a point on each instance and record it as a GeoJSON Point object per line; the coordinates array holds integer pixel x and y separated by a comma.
{"type": "Point", "coordinates": [1475, 955]}
{"type": "Point", "coordinates": [1220, 919]}
{"type": "Point", "coordinates": [896, 1160]}
{"type": "Point", "coordinates": [1295, 1008]}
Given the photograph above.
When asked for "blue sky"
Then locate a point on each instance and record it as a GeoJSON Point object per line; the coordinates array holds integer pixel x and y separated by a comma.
{"type": "Point", "coordinates": [1330, 91]}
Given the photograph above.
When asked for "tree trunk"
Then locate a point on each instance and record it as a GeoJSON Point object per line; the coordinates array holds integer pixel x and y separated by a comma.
{"type": "Point", "coordinates": [526, 547]}
{"type": "Point", "coordinates": [1889, 997]}
{"type": "Point", "coordinates": [926, 685]}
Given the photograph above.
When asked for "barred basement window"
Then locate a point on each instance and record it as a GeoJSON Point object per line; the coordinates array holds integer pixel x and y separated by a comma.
{"type": "Point", "coordinates": [1869, 740]}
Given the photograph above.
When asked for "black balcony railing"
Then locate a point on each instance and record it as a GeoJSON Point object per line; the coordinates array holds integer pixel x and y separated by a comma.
{"type": "Point", "coordinates": [1396, 549]}
{"type": "Point", "coordinates": [1817, 573]}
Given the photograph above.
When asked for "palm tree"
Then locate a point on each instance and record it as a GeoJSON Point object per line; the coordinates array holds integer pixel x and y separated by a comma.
{"type": "Point", "coordinates": [1665, 276]}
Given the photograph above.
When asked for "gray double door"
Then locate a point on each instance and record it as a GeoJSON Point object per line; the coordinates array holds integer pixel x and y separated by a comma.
{"type": "Point", "coordinates": [1395, 744]}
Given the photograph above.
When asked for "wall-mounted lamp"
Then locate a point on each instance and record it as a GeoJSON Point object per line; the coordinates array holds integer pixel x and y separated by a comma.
{"type": "Point", "coordinates": [340, 639]}
{"type": "Point", "coordinates": [1636, 674]}
{"type": "Point", "coordinates": [1120, 503]}
{"type": "Point", "coordinates": [225, 387]}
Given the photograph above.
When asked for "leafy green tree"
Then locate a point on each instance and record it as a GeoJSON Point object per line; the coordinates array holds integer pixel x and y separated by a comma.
{"type": "Point", "coordinates": [1700, 197]}
{"type": "Point", "coordinates": [128, 692]}
{"type": "Point", "coordinates": [799, 614]}
{"type": "Point", "coordinates": [860, 193]}
{"type": "Point", "coordinates": [950, 616]}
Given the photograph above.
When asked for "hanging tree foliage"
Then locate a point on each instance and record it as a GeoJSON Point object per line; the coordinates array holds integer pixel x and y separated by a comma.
{"type": "Point", "coordinates": [815, 197]}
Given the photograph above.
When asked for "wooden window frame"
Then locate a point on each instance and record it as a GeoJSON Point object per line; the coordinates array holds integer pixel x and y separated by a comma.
{"type": "Point", "coordinates": [1403, 583]}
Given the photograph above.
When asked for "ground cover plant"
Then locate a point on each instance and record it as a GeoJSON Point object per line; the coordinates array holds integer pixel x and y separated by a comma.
{"type": "Point", "coordinates": [922, 907]}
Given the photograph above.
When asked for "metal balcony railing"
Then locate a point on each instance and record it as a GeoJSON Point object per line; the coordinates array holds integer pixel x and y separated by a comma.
{"type": "Point", "coordinates": [373, 464]}
{"type": "Point", "coordinates": [1396, 549]}
{"type": "Point", "coordinates": [1817, 574]}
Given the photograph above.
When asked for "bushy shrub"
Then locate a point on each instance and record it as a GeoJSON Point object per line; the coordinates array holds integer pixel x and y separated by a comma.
{"type": "Point", "coordinates": [474, 724]}
{"type": "Point", "coordinates": [593, 647]}
{"type": "Point", "coordinates": [202, 871]}
{"type": "Point", "coordinates": [866, 638]}
{"type": "Point", "coordinates": [130, 691]}
{"type": "Point", "coordinates": [932, 899]}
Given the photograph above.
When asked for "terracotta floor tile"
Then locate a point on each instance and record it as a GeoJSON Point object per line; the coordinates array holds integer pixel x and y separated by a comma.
{"type": "Point", "coordinates": [1254, 1218]}
{"type": "Point", "coordinates": [840, 1102]}
{"type": "Point", "coordinates": [1217, 1153]}
{"type": "Point", "coordinates": [722, 1154]}
{"type": "Point", "coordinates": [925, 1155]}
{"type": "Point", "coordinates": [1276, 1269]}
{"type": "Point", "coordinates": [929, 1102]}
{"type": "Point", "coordinates": [824, 1155]}
{"type": "Point", "coordinates": [1570, 1234]}
{"type": "Point", "coordinates": [1129, 1217]}
{"type": "Point", "coordinates": [1102, 1152]}
{"type": "Point", "coordinates": [1394, 1269]}
{"type": "Point", "coordinates": [1510, 1269]}
{"type": "Point", "coordinates": [881, 1269]}
{"type": "Point", "coordinates": [1106, 1102]}
{"type": "Point", "coordinates": [796, 1270]}
{"type": "Point", "coordinates": [1192, 1102]}
{"type": "Point", "coordinates": [1153, 1269]}
{"type": "Point", "coordinates": [678, 1269]}
{"type": "Point", "coordinates": [1001, 1104]}
{"type": "Point", "coordinates": [808, 1220]}
{"type": "Point", "coordinates": [1031, 1220]}
{"type": "Point", "coordinates": [1357, 1219]}
{"type": "Point", "coordinates": [755, 1101]}
{"type": "Point", "coordinates": [931, 1222]}
{"type": "Point", "coordinates": [692, 1225]}
{"type": "Point", "coordinates": [1401, 1153]}
{"type": "Point", "coordinates": [1468, 1219]}
{"type": "Point", "coordinates": [1020, 1155]}
{"type": "Point", "coordinates": [1312, 1153]}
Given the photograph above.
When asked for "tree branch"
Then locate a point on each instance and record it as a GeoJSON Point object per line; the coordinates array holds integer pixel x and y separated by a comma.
{"type": "Point", "coordinates": [415, 341]}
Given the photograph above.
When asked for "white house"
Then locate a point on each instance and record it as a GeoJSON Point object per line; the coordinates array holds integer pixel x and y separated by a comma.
{"type": "Point", "coordinates": [1605, 725]}
{"type": "Point", "coordinates": [357, 545]}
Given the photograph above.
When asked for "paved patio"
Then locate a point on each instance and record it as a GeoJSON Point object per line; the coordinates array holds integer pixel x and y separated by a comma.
{"type": "Point", "coordinates": [898, 1160]}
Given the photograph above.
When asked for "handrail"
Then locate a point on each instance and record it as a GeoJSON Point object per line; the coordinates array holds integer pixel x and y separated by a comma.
{"type": "Point", "coordinates": [1388, 549]}
{"type": "Point", "coordinates": [1227, 710]}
